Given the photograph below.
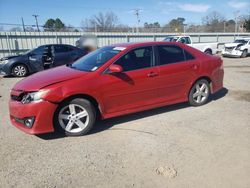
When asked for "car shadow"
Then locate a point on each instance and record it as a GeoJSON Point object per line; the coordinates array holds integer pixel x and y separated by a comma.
{"type": "Point", "coordinates": [102, 125]}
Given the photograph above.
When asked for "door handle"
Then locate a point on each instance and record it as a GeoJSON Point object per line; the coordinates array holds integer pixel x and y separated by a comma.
{"type": "Point", "coordinates": [152, 74]}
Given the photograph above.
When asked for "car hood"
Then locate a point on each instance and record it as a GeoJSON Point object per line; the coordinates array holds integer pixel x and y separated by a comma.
{"type": "Point", "coordinates": [10, 57]}
{"type": "Point", "coordinates": [232, 44]}
{"type": "Point", "coordinates": [49, 77]}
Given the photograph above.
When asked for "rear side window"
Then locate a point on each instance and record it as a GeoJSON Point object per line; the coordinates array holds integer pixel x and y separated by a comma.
{"type": "Point", "coordinates": [61, 49]}
{"type": "Point", "coordinates": [170, 54]}
{"type": "Point", "coordinates": [188, 56]}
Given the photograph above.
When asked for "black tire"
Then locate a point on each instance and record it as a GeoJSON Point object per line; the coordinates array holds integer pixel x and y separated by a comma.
{"type": "Point", "coordinates": [244, 54]}
{"type": "Point", "coordinates": [193, 92]}
{"type": "Point", "coordinates": [19, 70]}
{"type": "Point", "coordinates": [208, 51]}
{"type": "Point", "coordinates": [81, 103]}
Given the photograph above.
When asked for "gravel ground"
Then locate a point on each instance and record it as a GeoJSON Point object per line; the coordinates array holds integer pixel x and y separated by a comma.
{"type": "Point", "coordinates": [175, 146]}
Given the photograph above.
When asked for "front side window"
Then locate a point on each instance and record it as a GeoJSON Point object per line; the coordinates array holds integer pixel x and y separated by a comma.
{"type": "Point", "coordinates": [95, 59]}
{"type": "Point", "coordinates": [187, 40]}
{"type": "Point", "coordinates": [38, 51]}
{"type": "Point", "coordinates": [136, 59]}
{"type": "Point", "coordinates": [61, 49]}
{"type": "Point", "coordinates": [170, 54]}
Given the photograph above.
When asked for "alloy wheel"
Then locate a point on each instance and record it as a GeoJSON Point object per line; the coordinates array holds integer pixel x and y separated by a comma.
{"type": "Point", "coordinates": [201, 93]}
{"type": "Point", "coordinates": [19, 70]}
{"type": "Point", "coordinates": [73, 118]}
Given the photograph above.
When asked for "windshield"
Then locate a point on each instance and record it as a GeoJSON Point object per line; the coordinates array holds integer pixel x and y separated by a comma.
{"type": "Point", "coordinates": [240, 41]}
{"type": "Point", "coordinates": [96, 59]}
{"type": "Point", "coordinates": [171, 39]}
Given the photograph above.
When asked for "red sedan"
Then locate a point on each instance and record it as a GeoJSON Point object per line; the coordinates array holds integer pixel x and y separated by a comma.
{"type": "Point", "coordinates": [113, 81]}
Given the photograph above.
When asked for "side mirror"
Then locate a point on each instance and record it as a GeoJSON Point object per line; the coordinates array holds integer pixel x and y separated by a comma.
{"type": "Point", "coordinates": [115, 68]}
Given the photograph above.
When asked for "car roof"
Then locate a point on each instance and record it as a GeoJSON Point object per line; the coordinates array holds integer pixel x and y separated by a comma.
{"type": "Point", "coordinates": [56, 45]}
{"type": "Point", "coordinates": [243, 38]}
{"type": "Point", "coordinates": [138, 44]}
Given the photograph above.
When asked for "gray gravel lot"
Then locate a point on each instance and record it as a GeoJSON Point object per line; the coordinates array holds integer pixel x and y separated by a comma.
{"type": "Point", "coordinates": [175, 146]}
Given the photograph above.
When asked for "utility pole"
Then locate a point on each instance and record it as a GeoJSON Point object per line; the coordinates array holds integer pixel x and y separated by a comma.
{"type": "Point", "coordinates": [23, 25]}
{"type": "Point", "coordinates": [137, 13]}
{"type": "Point", "coordinates": [35, 15]}
{"type": "Point", "coordinates": [236, 21]}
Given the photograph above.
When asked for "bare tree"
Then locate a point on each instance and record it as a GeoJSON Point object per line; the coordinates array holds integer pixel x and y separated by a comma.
{"type": "Point", "coordinates": [101, 22]}
{"type": "Point", "coordinates": [16, 29]}
{"type": "Point", "coordinates": [214, 22]}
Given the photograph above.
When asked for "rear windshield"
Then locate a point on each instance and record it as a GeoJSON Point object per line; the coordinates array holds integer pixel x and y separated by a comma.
{"type": "Point", "coordinates": [96, 59]}
{"type": "Point", "coordinates": [240, 41]}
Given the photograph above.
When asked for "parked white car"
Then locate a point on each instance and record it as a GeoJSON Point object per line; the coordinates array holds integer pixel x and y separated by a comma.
{"type": "Point", "coordinates": [208, 48]}
{"type": "Point", "coordinates": [239, 48]}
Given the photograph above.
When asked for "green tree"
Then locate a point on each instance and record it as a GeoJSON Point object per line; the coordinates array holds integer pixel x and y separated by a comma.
{"type": "Point", "coordinates": [247, 24]}
{"type": "Point", "coordinates": [177, 25]}
{"type": "Point", "coordinates": [54, 25]}
{"type": "Point", "coordinates": [59, 25]}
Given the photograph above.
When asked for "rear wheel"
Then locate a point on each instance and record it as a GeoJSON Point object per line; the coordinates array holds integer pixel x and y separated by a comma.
{"type": "Point", "coordinates": [75, 117]}
{"type": "Point", "coordinates": [19, 70]}
{"type": "Point", "coordinates": [199, 93]}
{"type": "Point", "coordinates": [244, 54]}
{"type": "Point", "coordinates": [208, 51]}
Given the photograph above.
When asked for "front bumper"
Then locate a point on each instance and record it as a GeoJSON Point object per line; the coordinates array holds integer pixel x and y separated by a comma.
{"type": "Point", "coordinates": [5, 69]}
{"type": "Point", "coordinates": [1, 69]}
{"type": "Point", "coordinates": [42, 111]}
{"type": "Point", "coordinates": [233, 53]}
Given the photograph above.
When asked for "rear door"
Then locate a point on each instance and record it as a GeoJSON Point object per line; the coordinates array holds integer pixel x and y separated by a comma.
{"type": "Point", "coordinates": [177, 69]}
{"type": "Point", "coordinates": [135, 87]}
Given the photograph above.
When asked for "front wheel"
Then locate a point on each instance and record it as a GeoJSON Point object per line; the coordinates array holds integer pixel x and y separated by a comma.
{"type": "Point", "coordinates": [199, 93]}
{"type": "Point", "coordinates": [75, 117]}
{"type": "Point", "coordinates": [19, 70]}
{"type": "Point", "coordinates": [244, 54]}
{"type": "Point", "coordinates": [208, 52]}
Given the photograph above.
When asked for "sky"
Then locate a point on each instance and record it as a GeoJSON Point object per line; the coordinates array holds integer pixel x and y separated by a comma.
{"type": "Point", "coordinates": [74, 11]}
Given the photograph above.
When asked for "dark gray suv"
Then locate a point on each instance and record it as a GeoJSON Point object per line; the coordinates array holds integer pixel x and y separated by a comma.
{"type": "Point", "coordinates": [40, 58]}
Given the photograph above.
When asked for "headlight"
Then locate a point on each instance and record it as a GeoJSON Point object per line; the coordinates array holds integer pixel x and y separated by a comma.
{"type": "Point", "coordinates": [33, 96]}
{"type": "Point", "coordinates": [4, 61]}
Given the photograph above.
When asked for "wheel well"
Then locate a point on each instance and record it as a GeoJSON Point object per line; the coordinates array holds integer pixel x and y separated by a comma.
{"type": "Point", "coordinates": [19, 64]}
{"type": "Point", "coordinates": [208, 49]}
{"type": "Point", "coordinates": [87, 97]}
{"type": "Point", "coordinates": [205, 78]}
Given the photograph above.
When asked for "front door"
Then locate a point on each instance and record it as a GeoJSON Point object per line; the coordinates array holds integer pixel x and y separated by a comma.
{"type": "Point", "coordinates": [135, 87]}
{"type": "Point", "coordinates": [61, 55]}
{"type": "Point", "coordinates": [36, 58]}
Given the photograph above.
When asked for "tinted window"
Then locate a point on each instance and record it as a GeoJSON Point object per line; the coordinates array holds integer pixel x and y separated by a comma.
{"type": "Point", "coordinates": [240, 41]}
{"type": "Point", "coordinates": [188, 56]}
{"type": "Point", "coordinates": [171, 39]}
{"type": "Point", "coordinates": [170, 54]}
{"type": "Point", "coordinates": [187, 40]}
{"type": "Point", "coordinates": [136, 59]}
{"type": "Point", "coordinates": [95, 59]}
{"type": "Point", "coordinates": [38, 51]}
{"type": "Point", "coordinates": [61, 48]}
